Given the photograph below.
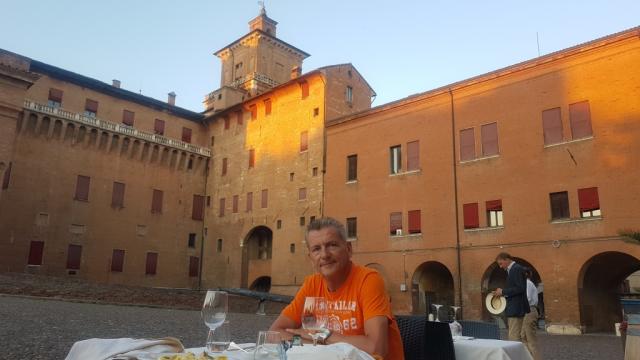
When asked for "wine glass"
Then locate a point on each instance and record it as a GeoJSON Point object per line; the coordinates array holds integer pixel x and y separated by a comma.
{"type": "Point", "coordinates": [269, 346]}
{"type": "Point", "coordinates": [214, 312]}
{"type": "Point", "coordinates": [314, 316]}
{"type": "Point", "coordinates": [437, 306]}
{"type": "Point", "coordinates": [456, 327]}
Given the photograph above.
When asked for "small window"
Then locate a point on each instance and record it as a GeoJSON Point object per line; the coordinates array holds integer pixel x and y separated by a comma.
{"type": "Point", "coordinates": [559, 205]}
{"type": "Point", "coordinates": [117, 195]}
{"type": "Point", "coordinates": [224, 167]}
{"type": "Point", "coordinates": [302, 221]}
{"type": "Point", "coordinates": [221, 209]}
{"type": "Point", "coordinates": [219, 246]}
{"type": "Point", "coordinates": [580, 118]}
{"type": "Point", "coordinates": [186, 134]}
{"type": "Point", "coordinates": [74, 256]}
{"type": "Point", "coordinates": [156, 201]}
{"type": "Point", "coordinates": [395, 157]}
{"type": "Point", "coordinates": [315, 171]}
{"type": "Point", "coordinates": [292, 248]}
{"type": "Point", "coordinates": [192, 240]}
{"type": "Point", "coordinates": [82, 188]}
{"type": "Point", "coordinates": [151, 264]}
{"type": "Point", "coordinates": [279, 224]}
{"type": "Point", "coordinates": [552, 126]}
{"type": "Point", "coordinates": [395, 223]}
{"type": "Point", "coordinates": [316, 111]}
{"type": "Point", "coordinates": [267, 107]}
{"type": "Point", "coordinates": [197, 212]}
{"type": "Point", "coordinates": [90, 108]}
{"type": "Point", "coordinates": [291, 176]}
{"type": "Point", "coordinates": [352, 167]}
{"type": "Point", "coordinates": [494, 213]}
{"type": "Point", "coordinates": [352, 228]}
{"type": "Point", "coordinates": [158, 127]}
{"type": "Point", "coordinates": [349, 94]}
{"type": "Point", "coordinates": [415, 222]}
{"type": "Point", "coordinates": [413, 155]}
{"type": "Point", "coordinates": [302, 193]}
{"type": "Point", "coordinates": [470, 214]}
{"type": "Point", "coordinates": [35, 253]}
{"type": "Point", "coordinates": [467, 145]}
{"type": "Point", "coordinates": [249, 201]}
{"type": "Point", "coordinates": [128, 117]}
{"type": "Point", "coordinates": [117, 260]}
{"type": "Point", "coordinates": [254, 111]}
{"type": "Point", "coordinates": [55, 98]}
{"type": "Point", "coordinates": [252, 158]}
{"type": "Point", "coordinates": [304, 89]}
{"type": "Point", "coordinates": [304, 141]}
{"type": "Point", "coordinates": [194, 266]}
{"type": "Point", "coordinates": [589, 202]}
{"type": "Point", "coordinates": [489, 137]}
{"type": "Point", "coordinates": [264, 198]}
{"type": "Point", "coordinates": [236, 199]}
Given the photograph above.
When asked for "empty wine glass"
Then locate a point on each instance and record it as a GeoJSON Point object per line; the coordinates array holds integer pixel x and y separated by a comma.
{"type": "Point", "coordinates": [437, 306]}
{"type": "Point", "coordinates": [456, 327]}
{"type": "Point", "coordinates": [214, 312]}
{"type": "Point", "coordinates": [314, 316]}
{"type": "Point", "coordinates": [269, 346]}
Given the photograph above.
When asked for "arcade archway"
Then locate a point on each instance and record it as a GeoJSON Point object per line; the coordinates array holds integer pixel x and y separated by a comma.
{"type": "Point", "coordinates": [431, 283]}
{"type": "Point", "coordinates": [256, 257]}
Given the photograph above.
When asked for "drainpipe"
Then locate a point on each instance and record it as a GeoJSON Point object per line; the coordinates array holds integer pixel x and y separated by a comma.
{"type": "Point", "coordinates": [455, 194]}
{"type": "Point", "coordinates": [204, 222]}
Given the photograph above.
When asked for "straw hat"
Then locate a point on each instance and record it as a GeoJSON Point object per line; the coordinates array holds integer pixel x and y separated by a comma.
{"type": "Point", "coordinates": [495, 304]}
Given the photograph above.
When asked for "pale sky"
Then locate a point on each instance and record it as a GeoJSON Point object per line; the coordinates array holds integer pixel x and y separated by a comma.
{"type": "Point", "coordinates": [400, 47]}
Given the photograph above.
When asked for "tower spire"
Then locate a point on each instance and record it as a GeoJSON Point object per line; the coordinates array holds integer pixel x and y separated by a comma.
{"type": "Point", "coordinates": [263, 11]}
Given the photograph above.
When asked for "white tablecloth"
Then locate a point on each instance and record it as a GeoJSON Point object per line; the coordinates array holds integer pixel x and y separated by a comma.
{"type": "Point", "coordinates": [483, 349]}
{"type": "Point", "coordinates": [327, 352]}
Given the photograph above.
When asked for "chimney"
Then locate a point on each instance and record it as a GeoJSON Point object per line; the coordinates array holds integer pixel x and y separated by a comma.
{"type": "Point", "coordinates": [116, 83]}
{"type": "Point", "coordinates": [296, 72]}
{"type": "Point", "coordinates": [172, 99]}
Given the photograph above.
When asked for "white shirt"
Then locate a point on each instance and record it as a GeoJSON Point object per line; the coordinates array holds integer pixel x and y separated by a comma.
{"type": "Point", "coordinates": [532, 293]}
{"type": "Point", "coordinates": [510, 266]}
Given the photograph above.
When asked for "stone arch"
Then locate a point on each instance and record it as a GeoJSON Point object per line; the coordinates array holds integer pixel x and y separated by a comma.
{"type": "Point", "coordinates": [164, 159]}
{"type": "Point", "coordinates": [174, 159]}
{"type": "Point", "coordinates": [135, 149]}
{"type": "Point", "coordinates": [57, 129]}
{"type": "Point", "coordinates": [115, 140]}
{"type": "Point", "coordinates": [155, 154]}
{"type": "Point", "coordinates": [32, 122]}
{"type": "Point", "coordinates": [69, 131]}
{"type": "Point", "coordinates": [104, 140]}
{"type": "Point", "coordinates": [44, 126]}
{"type": "Point", "coordinates": [82, 132]}
{"type": "Point", "coordinates": [93, 137]}
{"type": "Point", "coordinates": [600, 282]}
{"type": "Point", "coordinates": [146, 148]}
{"type": "Point", "coordinates": [256, 254]}
{"type": "Point", "coordinates": [432, 283]}
{"type": "Point", "coordinates": [125, 146]}
{"type": "Point", "coordinates": [262, 283]}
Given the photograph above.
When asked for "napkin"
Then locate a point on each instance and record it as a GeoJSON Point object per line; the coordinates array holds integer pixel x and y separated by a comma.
{"type": "Point", "coordinates": [125, 348]}
{"type": "Point", "coordinates": [337, 351]}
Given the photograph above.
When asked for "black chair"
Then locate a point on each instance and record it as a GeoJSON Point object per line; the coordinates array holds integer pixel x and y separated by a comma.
{"type": "Point", "coordinates": [425, 340]}
{"type": "Point", "coordinates": [480, 329]}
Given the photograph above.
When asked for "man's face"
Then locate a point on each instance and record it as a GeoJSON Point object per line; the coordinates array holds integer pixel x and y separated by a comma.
{"type": "Point", "coordinates": [329, 254]}
{"type": "Point", "coordinates": [503, 263]}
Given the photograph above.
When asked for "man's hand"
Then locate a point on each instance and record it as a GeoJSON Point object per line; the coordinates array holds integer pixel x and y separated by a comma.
{"type": "Point", "coordinates": [497, 292]}
{"type": "Point", "coordinates": [302, 332]}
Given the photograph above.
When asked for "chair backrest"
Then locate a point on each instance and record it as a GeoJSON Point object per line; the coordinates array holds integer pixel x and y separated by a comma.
{"type": "Point", "coordinates": [480, 329]}
{"type": "Point", "coordinates": [412, 332]}
{"type": "Point", "coordinates": [438, 341]}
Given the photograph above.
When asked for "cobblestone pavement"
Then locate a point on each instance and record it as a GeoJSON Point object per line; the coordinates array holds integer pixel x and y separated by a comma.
{"type": "Point", "coordinates": [46, 329]}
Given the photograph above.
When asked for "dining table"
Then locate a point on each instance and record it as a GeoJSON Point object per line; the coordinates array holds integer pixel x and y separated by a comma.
{"type": "Point", "coordinates": [488, 349]}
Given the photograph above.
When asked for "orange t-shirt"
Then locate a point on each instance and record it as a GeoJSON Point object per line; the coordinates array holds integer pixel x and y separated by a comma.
{"type": "Point", "coordinates": [361, 297]}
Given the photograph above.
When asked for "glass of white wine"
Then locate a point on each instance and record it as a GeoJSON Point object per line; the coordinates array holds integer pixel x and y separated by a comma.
{"type": "Point", "coordinates": [314, 316]}
{"type": "Point", "coordinates": [214, 312]}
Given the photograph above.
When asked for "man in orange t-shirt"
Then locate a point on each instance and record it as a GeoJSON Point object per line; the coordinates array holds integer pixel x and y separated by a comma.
{"type": "Point", "coordinates": [358, 306]}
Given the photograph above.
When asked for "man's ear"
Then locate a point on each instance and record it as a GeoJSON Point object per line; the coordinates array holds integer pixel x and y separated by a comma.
{"type": "Point", "coordinates": [349, 248]}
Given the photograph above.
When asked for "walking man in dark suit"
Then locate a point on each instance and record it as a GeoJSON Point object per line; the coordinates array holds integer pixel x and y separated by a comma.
{"type": "Point", "coordinates": [516, 294]}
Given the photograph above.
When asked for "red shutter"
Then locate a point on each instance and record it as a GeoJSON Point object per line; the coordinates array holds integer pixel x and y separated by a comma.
{"type": "Point", "coordinates": [55, 95]}
{"type": "Point", "coordinates": [489, 135]}
{"type": "Point", "coordinates": [471, 220]}
{"type": "Point", "coordinates": [252, 158]}
{"type": "Point", "coordinates": [152, 263]}
{"type": "Point", "coordinates": [588, 199]}
{"type": "Point", "coordinates": [193, 266]}
{"type": "Point", "coordinates": [302, 193]}
{"type": "Point", "coordinates": [198, 207]}
{"type": "Point", "coordinates": [254, 111]}
{"type": "Point", "coordinates": [467, 145]}
{"type": "Point", "coordinates": [249, 201]}
{"type": "Point", "coordinates": [158, 127]}
{"type": "Point", "coordinates": [304, 141]}
{"type": "Point", "coordinates": [222, 206]}
{"type": "Point", "coordinates": [82, 188]}
{"type": "Point", "coordinates": [552, 126]}
{"type": "Point", "coordinates": [413, 156]}
{"type": "Point", "coordinates": [117, 260]}
{"type": "Point", "coordinates": [235, 203]}
{"type": "Point", "coordinates": [494, 205]}
{"type": "Point", "coordinates": [395, 222]}
{"type": "Point", "coordinates": [304, 88]}
{"type": "Point", "coordinates": [35, 253]}
{"type": "Point", "coordinates": [224, 166]}
{"type": "Point", "coordinates": [74, 254]}
{"type": "Point", "coordinates": [7, 177]}
{"type": "Point", "coordinates": [239, 118]}
{"type": "Point", "coordinates": [267, 107]}
{"type": "Point", "coordinates": [227, 122]}
{"type": "Point", "coordinates": [91, 105]}
{"type": "Point", "coordinates": [117, 195]}
{"type": "Point", "coordinates": [580, 117]}
{"type": "Point", "coordinates": [186, 135]}
{"type": "Point", "coordinates": [156, 201]}
{"type": "Point", "coordinates": [414, 222]}
{"type": "Point", "coordinates": [265, 198]}
{"type": "Point", "coordinates": [127, 117]}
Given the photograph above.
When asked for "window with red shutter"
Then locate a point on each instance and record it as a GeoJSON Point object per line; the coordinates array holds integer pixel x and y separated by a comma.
{"type": "Point", "coordinates": [302, 193]}
{"type": "Point", "coordinates": [224, 166]}
{"type": "Point", "coordinates": [352, 168]}
{"type": "Point", "coordinates": [414, 222]}
{"type": "Point", "coordinates": [252, 158]}
{"type": "Point", "coordinates": [552, 126]}
{"type": "Point", "coordinates": [35, 253]}
{"type": "Point", "coordinates": [559, 205]}
{"type": "Point", "coordinates": [186, 135]}
{"type": "Point", "coordinates": [156, 201]}
{"type": "Point", "coordinates": [151, 264]}
{"type": "Point", "coordinates": [235, 203]}
{"type": "Point", "coordinates": [304, 141]}
{"type": "Point", "coordinates": [193, 266]}
{"type": "Point", "coordinates": [90, 107]}
{"type": "Point", "coordinates": [127, 117]}
{"type": "Point", "coordinates": [6, 177]}
{"type": "Point", "coordinates": [55, 97]}
{"type": "Point", "coordinates": [395, 223]}
{"type": "Point", "coordinates": [249, 201]}
{"type": "Point", "coordinates": [117, 260]}
{"type": "Point", "coordinates": [254, 111]}
{"type": "Point", "coordinates": [264, 198]}
{"type": "Point", "coordinates": [82, 188]}
{"type": "Point", "coordinates": [580, 118]}
{"type": "Point", "coordinates": [117, 195]}
{"type": "Point", "coordinates": [304, 89]}
{"type": "Point", "coordinates": [470, 214]}
{"type": "Point", "coordinates": [413, 156]}
{"type": "Point", "coordinates": [74, 255]}
{"type": "Point", "coordinates": [467, 145]}
{"type": "Point", "coordinates": [239, 117]}
{"type": "Point", "coordinates": [489, 135]}
{"type": "Point", "coordinates": [158, 127]}
{"type": "Point", "coordinates": [494, 213]}
{"type": "Point", "coordinates": [267, 107]}
{"type": "Point", "coordinates": [589, 202]}
{"type": "Point", "coordinates": [197, 212]}
{"type": "Point", "coordinates": [221, 208]}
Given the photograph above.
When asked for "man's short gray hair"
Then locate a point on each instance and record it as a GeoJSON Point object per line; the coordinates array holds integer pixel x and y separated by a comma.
{"type": "Point", "coordinates": [326, 222]}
